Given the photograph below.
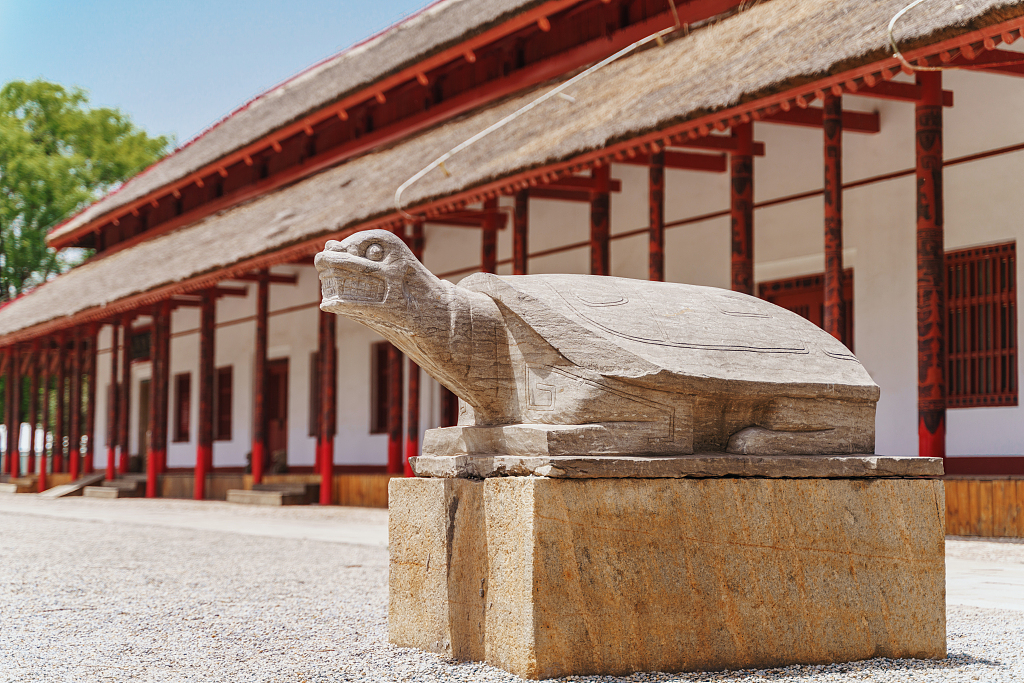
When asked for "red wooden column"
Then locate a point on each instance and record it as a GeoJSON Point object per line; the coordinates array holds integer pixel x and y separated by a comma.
{"type": "Point", "coordinates": [834, 312]}
{"type": "Point", "coordinates": [75, 407]}
{"type": "Point", "coordinates": [33, 406]}
{"type": "Point", "coordinates": [114, 396]}
{"type": "Point", "coordinates": [489, 238]}
{"type": "Point", "coordinates": [931, 302]}
{"type": "Point", "coordinates": [520, 233]}
{"type": "Point", "coordinates": [60, 418]}
{"type": "Point", "coordinates": [44, 362]}
{"type": "Point", "coordinates": [12, 403]}
{"type": "Point", "coordinates": [741, 191]}
{"type": "Point", "coordinates": [90, 402]}
{"type": "Point", "coordinates": [412, 411]}
{"type": "Point", "coordinates": [165, 384]}
{"type": "Point", "coordinates": [656, 260]}
{"type": "Point", "coordinates": [204, 441]}
{"type": "Point", "coordinates": [327, 420]}
{"type": "Point", "coordinates": [259, 383]}
{"type": "Point", "coordinates": [157, 447]}
{"type": "Point", "coordinates": [394, 388]}
{"type": "Point", "coordinates": [600, 232]}
{"type": "Point", "coordinates": [125, 403]}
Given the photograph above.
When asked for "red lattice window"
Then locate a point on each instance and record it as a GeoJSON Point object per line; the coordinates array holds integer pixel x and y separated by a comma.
{"type": "Point", "coordinates": [805, 296]}
{"type": "Point", "coordinates": [981, 300]}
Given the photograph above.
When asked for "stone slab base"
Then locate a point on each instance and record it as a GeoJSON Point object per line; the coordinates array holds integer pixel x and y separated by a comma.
{"type": "Point", "coordinates": [550, 577]}
{"type": "Point", "coordinates": [102, 492]}
{"type": "Point", "coordinates": [266, 497]}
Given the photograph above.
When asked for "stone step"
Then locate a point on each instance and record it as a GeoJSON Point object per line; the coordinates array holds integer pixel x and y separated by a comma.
{"type": "Point", "coordinates": [19, 484]}
{"type": "Point", "coordinates": [6, 488]}
{"type": "Point", "coordinates": [104, 492]}
{"type": "Point", "coordinates": [310, 491]}
{"type": "Point", "coordinates": [266, 497]}
{"type": "Point", "coordinates": [130, 488]}
{"type": "Point", "coordinates": [75, 488]}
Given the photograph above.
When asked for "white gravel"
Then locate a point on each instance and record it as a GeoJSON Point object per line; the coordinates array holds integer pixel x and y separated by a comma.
{"type": "Point", "coordinates": [109, 599]}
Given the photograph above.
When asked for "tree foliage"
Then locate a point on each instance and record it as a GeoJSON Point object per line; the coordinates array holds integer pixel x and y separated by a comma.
{"type": "Point", "coordinates": [56, 155]}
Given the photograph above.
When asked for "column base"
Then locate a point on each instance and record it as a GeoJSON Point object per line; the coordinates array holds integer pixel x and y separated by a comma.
{"type": "Point", "coordinates": [547, 577]}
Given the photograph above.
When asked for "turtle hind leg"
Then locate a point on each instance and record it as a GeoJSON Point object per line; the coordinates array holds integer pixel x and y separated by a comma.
{"type": "Point", "coordinates": [761, 441]}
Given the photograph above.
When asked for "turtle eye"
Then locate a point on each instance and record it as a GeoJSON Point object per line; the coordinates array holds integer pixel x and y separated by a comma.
{"type": "Point", "coordinates": [374, 252]}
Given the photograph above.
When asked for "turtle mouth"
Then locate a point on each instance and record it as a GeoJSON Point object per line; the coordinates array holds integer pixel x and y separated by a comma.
{"type": "Point", "coordinates": [363, 289]}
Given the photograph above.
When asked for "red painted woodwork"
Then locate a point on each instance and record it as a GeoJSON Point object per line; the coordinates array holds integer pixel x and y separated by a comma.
{"type": "Point", "coordinates": [75, 406]}
{"type": "Point", "coordinates": [834, 309]}
{"type": "Point", "coordinates": [489, 237]}
{"type": "Point", "coordinates": [521, 233]}
{"type": "Point", "coordinates": [259, 414]}
{"type": "Point", "coordinates": [471, 218]}
{"type": "Point", "coordinates": [805, 296]}
{"type": "Point", "coordinates": [394, 393]}
{"type": "Point", "coordinates": [720, 143]}
{"type": "Point", "coordinates": [11, 404]}
{"type": "Point", "coordinates": [157, 447]}
{"type": "Point", "coordinates": [981, 298]}
{"type": "Point", "coordinates": [682, 161]}
{"type": "Point", "coordinates": [900, 92]}
{"type": "Point", "coordinates": [1012, 465]}
{"type": "Point", "coordinates": [113, 399]}
{"type": "Point", "coordinates": [207, 377]}
{"type": "Point", "coordinates": [328, 403]}
{"type": "Point", "coordinates": [124, 414]}
{"type": "Point", "coordinates": [813, 117]}
{"type": "Point", "coordinates": [993, 61]}
{"type": "Point", "coordinates": [90, 402]}
{"type": "Point", "coordinates": [224, 403]}
{"type": "Point", "coordinates": [412, 411]}
{"type": "Point", "coordinates": [931, 305]}
{"type": "Point", "coordinates": [741, 189]}
{"type": "Point", "coordinates": [45, 366]}
{"type": "Point", "coordinates": [33, 407]}
{"type": "Point", "coordinates": [656, 224]}
{"type": "Point", "coordinates": [600, 203]}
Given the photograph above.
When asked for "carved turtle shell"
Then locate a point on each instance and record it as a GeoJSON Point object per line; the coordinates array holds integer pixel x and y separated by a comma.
{"type": "Point", "coordinates": [676, 337]}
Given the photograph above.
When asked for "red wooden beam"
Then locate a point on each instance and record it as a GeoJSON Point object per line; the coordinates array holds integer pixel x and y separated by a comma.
{"type": "Point", "coordinates": [207, 373]}
{"type": "Point", "coordinates": [931, 305]}
{"type": "Point", "coordinates": [520, 233]}
{"type": "Point", "coordinates": [90, 401]}
{"type": "Point", "coordinates": [75, 406]}
{"type": "Point", "coordinates": [684, 161]}
{"type": "Point", "coordinates": [741, 203]}
{"type": "Point", "coordinates": [833, 320]}
{"type": "Point", "coordinates": [259, 404]}
{"type": "Point", "coordinates": [993, 61]}
{"type": "Point", "coordinates": [489, 236]}
{"type": "Point", "coordinates": [812, 117]}
{"type": "Point", "coordinates": [900, 92]}
{"type": "Point", "coordinates": [719, 143]}
{"type": "Point", "coordinates": [112, 405]}
{"type": "Point", "coordinates": [600, 253]}
{"type": "Point", "coordinates": [124, 418]}
{"type": "Point", "coordinates": [656, 206]}
{"type": "Point", "coordinates": [471, 218]}
{"type": "Point", "coordinates": [273, 279]}
{"type": "Point", "coordinates": [327, 418]}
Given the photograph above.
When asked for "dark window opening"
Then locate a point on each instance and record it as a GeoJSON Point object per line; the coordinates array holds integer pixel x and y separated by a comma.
{"type": "Point", "coordinates": [222, 404]}
{"type": "Point", "coordinates": [805, 296]}
{"type": "Point", "coordinates": [981, 328]}
{"type": "Point", "coordinates": [379, 387]}
{"type": "Point", "coordinates": [182, 406]}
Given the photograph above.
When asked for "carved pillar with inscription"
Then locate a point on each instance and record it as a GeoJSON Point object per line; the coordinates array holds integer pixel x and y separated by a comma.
{"type": "Point", "coordinates": [741, 189]}
{"type": "Point", "coordinates": [834, 322]}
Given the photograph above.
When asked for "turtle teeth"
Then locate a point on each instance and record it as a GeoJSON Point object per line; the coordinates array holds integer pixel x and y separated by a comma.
{"type": "Point", "coordinates": [362, 289]}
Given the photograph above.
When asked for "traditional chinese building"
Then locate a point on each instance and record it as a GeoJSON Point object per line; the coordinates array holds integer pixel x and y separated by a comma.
{"type": "Point", "coordinates": [777, 148]}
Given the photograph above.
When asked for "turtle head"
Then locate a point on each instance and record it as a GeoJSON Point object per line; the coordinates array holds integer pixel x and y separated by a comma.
{"type": "Point", "coordinates": [372, 277]}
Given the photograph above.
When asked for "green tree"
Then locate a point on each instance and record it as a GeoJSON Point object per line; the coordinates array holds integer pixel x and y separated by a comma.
{"type": "Point", "coordinates": [56, 155]}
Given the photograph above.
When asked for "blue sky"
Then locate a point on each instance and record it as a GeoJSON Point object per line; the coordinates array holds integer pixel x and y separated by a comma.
{"type": "Point", "coordinates": [178, 66]}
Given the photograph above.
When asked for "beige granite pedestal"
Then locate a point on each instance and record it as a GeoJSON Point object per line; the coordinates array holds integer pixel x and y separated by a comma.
{"type": "Point", "coordinates": [618, 565]}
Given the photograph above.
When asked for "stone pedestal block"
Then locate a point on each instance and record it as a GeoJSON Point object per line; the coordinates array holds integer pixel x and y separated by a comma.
{"type": "Point", "coordinates": [547, 577]}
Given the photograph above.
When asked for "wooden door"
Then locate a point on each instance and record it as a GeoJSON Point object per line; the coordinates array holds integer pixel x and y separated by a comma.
{"type": "Point", "coordinates": [277, 414]}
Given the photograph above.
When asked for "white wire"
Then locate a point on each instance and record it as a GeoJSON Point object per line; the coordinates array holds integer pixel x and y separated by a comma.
{"type": "Point", "coordinates": [895, 49]}
{"type": "Point", "coordinates": [439, 162]}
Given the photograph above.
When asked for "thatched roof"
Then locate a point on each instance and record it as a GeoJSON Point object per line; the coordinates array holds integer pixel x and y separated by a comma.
{"type": "Point", "coordinates": [429, 31]}
{"type": "Point", "coordinates": [763, 50]}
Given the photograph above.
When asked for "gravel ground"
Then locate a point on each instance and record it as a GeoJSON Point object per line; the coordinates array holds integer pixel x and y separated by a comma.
{"type": "Point", "coordinates": [88, 601]}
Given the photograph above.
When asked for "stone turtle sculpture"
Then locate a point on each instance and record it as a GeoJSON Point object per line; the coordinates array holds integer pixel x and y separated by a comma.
{"type": "Point", "coordinates": [581, 364]}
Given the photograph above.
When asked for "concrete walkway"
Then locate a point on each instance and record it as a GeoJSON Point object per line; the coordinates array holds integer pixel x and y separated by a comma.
{"type": "Point", "coordinates": [355, 526]}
